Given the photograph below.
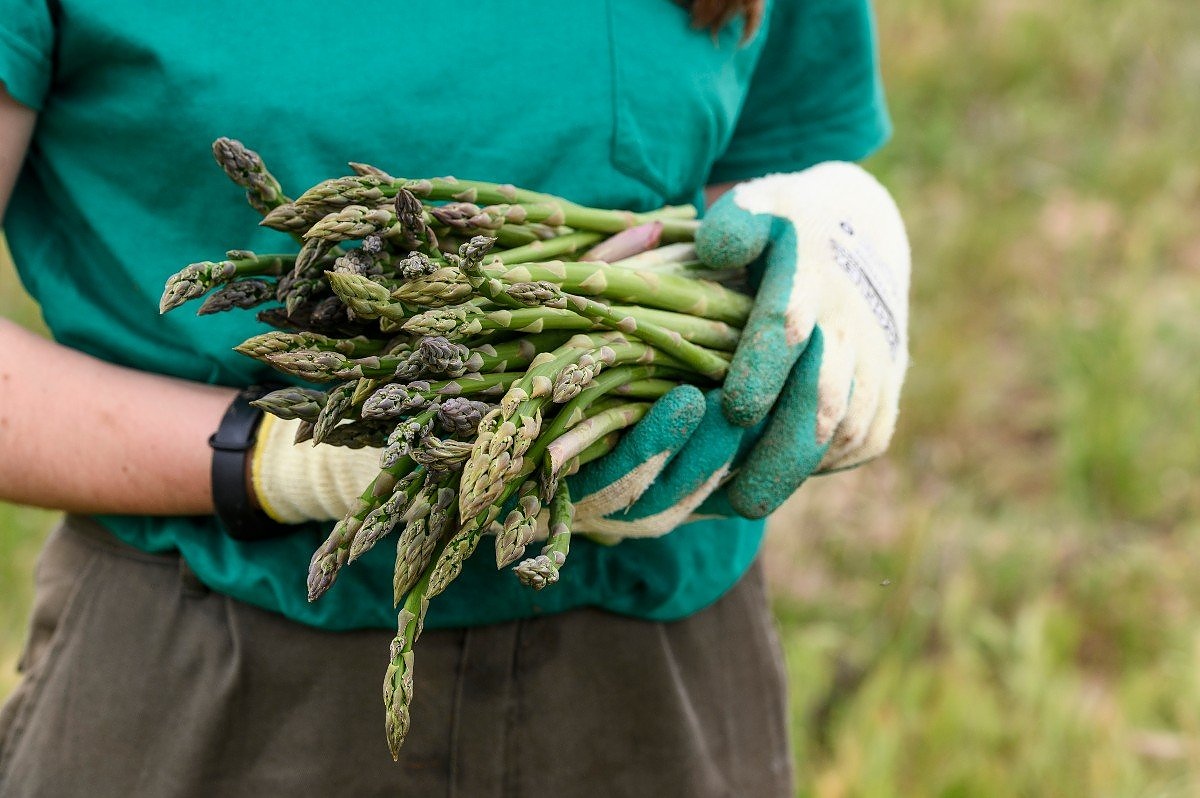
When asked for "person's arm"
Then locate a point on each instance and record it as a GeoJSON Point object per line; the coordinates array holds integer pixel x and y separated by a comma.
{"type": "Point", "coordinates": [713, 192]}
{"type": "Point", "coordinates": [82, 435]}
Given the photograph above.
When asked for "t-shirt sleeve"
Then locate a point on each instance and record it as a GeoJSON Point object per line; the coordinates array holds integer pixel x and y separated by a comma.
{"type": "Point", "coordinates": [26, 44]}
{"type": "Point", "coordinates": [815, 94]}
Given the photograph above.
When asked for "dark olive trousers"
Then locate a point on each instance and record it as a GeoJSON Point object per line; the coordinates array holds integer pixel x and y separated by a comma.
{"type": "Point", "coordinates": [138, 681]}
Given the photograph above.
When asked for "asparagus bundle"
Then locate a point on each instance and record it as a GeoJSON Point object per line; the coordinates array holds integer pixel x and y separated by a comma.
{"type": "Point", "coordinates": [489, 339]}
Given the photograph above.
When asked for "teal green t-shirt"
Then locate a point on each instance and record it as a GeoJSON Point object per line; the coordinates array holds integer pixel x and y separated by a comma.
{"type": "Point", "coordinates": [617, 104]}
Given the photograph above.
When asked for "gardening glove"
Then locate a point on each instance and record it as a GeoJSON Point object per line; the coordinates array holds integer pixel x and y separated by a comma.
{"type": "Point", "coordinates": [306, 483]}
{"type": "Point", "coordinates": [835, 258]}
{"type": "Point", "coordinates": [661, 471]}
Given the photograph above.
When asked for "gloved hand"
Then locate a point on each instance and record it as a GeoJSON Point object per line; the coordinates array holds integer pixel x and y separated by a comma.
{"type": "Point", "coordinates": [824, 353]}
{"type": "Point", "coordinates": [306, 483]}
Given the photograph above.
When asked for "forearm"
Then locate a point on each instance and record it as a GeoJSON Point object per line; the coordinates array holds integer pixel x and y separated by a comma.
{"type": "Point", "coordinates": [82, 435]}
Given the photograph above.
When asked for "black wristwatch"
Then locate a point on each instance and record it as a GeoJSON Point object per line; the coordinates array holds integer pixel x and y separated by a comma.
{"type": "Point", "coordinates": [231, 445]}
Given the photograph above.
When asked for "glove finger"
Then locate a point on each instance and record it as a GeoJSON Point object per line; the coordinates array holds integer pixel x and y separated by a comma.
{"type": "Point", "coordinates": [687, 481]}
{"type": "Point", "coordinates": [711, 449]}
{"type": "Point", "coordinates": [835, 386]}
{"type": "Point", "coordinates": [852, 432]}
{"type": "Point", "coordinates": [800, 430]}
{"type": "Point", "coordinates": [616, 526]}
{"type": "Point", "coordinates": [875, 441]}
{"type": "Point", "coordinates": [731, 236]}
{"type": "Point", "coordinates": [777, 331]}
{"type": "Point", "coordinates": [616, 480]}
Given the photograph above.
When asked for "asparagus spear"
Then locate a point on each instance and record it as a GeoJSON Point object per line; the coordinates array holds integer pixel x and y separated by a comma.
{"type": "Point", "coordinates": [286, 218]}
{"type": "Point", "coordinates": [291, 402]}
{"type": "Point", "coordinates": [395, 400]}
{"type": "Point", "coordinates": [197, 279]}
{"type": "Point", "coordinates": [248, 292]}
{"type": "Point", "coordinates": [331, 555]}
{"type": "Point", "coordinates": [542, 570]}
{"type": "Point", "coordinates": [466, 320]}
{"type": "Point", "coordinates": [573, 442]}
{"type": "Point", "coordinates": [618, 285]}
{"type": "Point", "coordinates": [415, 547]}
{"type": "Point", "coordinates": [259, 346]}
{"type": "Point", "coordinates": [410, 503]}
{"type": "Point", "coordinates": [520, 525]}
{"type": "Point", "coordinates": [246, 168]}
{"type": "Point", "coordinates": [338, 402]}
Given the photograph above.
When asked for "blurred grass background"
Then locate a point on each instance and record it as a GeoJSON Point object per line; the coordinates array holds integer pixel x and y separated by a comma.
{"type": "Point", "coordinates": [1008, 604]}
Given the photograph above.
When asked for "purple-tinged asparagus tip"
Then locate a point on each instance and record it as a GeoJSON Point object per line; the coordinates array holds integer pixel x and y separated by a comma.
{"type": "Point", "coordinates": [626, 243]}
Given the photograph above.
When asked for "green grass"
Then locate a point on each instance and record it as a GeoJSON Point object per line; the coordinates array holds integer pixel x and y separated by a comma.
{"type": "Point", "coordinates": [1009, 604]}
{"type": "Point", "coordinates": [1037, 520]}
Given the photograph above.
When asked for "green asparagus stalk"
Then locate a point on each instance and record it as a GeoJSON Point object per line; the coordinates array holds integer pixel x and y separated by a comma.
{"type": "Point", "coordinates": [459, 415]}
{"type": "Point", "coordinates": [628, 286]}
{"type": "Point", "coordinates": [247, 292]}
{"type": "Point", "coordinates": [541, 571]}
{"type": "Point", "coordinates": [466, 320]}
{"type": "Point", "coordinates": [445, 286]}
{"type": "Point", "coordinates": [260, 346]}
{"type": "Point", "coordinates": [333, 553]}
{"type": "Point", "coordinates": [366, 169]}
{"type": "Point", "coordinates": [571, 443]}
{"type": "Point", "coordinates": [246, 168]}
{"type": "Point", "coordinates": [441, 455]}
{"type": "Point", "coordinates": [197, 279]}
{"type": "Point", "coordinates": [351, 222]}
{"type": "Point", "coordinates": [418, 540]}
{"type": "Point", "coordinates": [707, 363]}
{"type": "Point", "coordinates": [409, 503]}
{"type": "Point", "coordinates": [395, 400]}
{"type": "Point", "coordinates": [291, 402]}
{"type": "Point", "coordinates": [338, 403]}
{"type": "Point", "coordinates": [544, 250]}
{"type": "Point", "coordinates": [595, 451]}
{"type": "Point", "coordinates": [689, 295]}
{"type": "Point", "coordinates": [286, 218]}
{"type": "Point", "coordinates": [519, 526]}
{"type": "Point", "coordinates": [398, 679]}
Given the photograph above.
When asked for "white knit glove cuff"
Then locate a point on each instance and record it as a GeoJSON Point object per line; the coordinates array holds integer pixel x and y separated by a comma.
{"type": "Point", "coordinates": [301, 482]}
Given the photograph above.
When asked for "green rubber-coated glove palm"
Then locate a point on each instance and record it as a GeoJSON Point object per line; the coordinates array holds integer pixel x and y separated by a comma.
{"type": "Point", "coordinates": [663, 469]}
{"type": "Point", "coordinates": [834, 257]}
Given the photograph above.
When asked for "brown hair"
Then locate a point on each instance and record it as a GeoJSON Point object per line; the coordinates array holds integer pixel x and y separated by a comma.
{"type": "Point", "coordinates": [713, 14]}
